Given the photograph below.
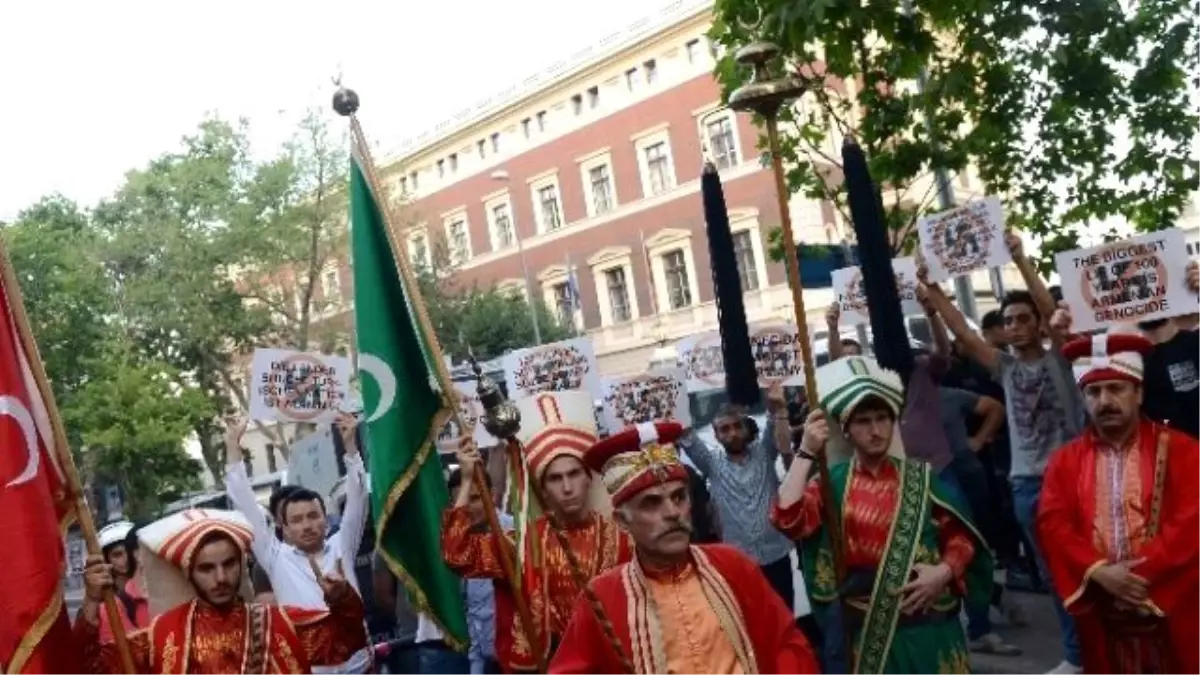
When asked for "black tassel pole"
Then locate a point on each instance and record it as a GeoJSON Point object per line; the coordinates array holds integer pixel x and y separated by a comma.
{"type": "Point", "coordinates": [890, 337]}
{"type": "Point", "coordinates": [741, 376]}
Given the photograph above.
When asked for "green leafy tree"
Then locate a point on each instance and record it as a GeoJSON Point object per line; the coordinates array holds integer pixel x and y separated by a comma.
{"type": "Point", "coordinates": [168, 250]}
{"type": "Point", "coordinates": [1073, 112]}
{"type": "Point", "coordinates": [132, 419]}
{"type": "Point", "coordinates": [484, 321]}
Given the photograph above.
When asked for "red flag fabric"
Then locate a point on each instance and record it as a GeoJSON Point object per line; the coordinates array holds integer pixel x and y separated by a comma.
{"type": "Point", "coordinates": [35, 635]}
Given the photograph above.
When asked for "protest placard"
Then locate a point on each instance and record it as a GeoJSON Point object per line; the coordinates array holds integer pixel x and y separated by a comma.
{"type": "Point", "coordinates": [963, 239]}
{"type": "Point", "coordinates": [471, 410]}
{"type": "Point", "coordinates": [559, 366]}
{"type": "Point", "coordinates": [657, 395]}
{"type": "Point", "coordinates": [312, 462]}
{"type": "Point", "coordinates": [1138, 279]}
{"type": "Point", "coordinates": [852, 298]}
{"type": "Point", "coordinates": [775, 350]}
{"type": "Point", "coordinates": [292, 386]}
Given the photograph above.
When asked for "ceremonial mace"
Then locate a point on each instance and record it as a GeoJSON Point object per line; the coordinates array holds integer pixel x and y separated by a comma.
{"type": "Point", "coordinates": [765, 95]}
{"type": "Point", "coordinates": [346, 103]}
{"type": "Point", "coordinates": [502, 420]}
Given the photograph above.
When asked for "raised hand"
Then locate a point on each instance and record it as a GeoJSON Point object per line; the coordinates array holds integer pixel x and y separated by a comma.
{"type": "Point", "coordinates": [1193, 276]}
{"type": "Point", "coordinates": [347, 425]}
{"type": "Point", "coordinates": [333, 584]}
{"type": "Point", "coordinates": [1015, 246]}
{"type": "Point", "coordinates": [468, 457]}
{"type": "Point", "coordinates": [235, 428]}
{"type": "Point", "coordinates": [97, 578]}
{"type": "Point", "coordinates": [833, 315]}
{"type": "Point", "coordinates": [776, 400]}
{"type": "Point", "coordinates": [816, 434]}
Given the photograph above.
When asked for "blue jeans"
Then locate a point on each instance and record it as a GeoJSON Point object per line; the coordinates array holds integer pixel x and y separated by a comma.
{"type": "Point", "coordinates": [438, 659]}
{"type": "Point", "coordinates": [979, 620]}
{"type": "Point", "coordinates": [1025, 492]}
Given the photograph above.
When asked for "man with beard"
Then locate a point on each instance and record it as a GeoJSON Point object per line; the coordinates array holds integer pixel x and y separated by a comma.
{"type": "Point", "coordinates": [195, 573]}
{"type": "Point", "coordinates": [742, 481]}
{"type": "Point", "coordinates": [677, 607]}
{"type": "Point", "coordinates": [556, 428]}
{"type": "Point", "coordinates": [1118, 521]}
{"type": "Point", "coordinates": [911, 557]}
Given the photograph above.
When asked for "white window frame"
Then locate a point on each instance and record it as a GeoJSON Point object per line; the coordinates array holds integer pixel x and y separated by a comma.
{"type": "Point", "coordinates": [448, 219]}
{"type": "Point", "coordinates": [601, 157]}
{"type": "Point", "coordinates": [713, 113]}
{"type": "Point", "coordinates": [418, 232]}
{"type": "Point", "coordinates": [657, 246]}
{"type": "Point", "coordinates": [649, 138]}
{"type": "Point", "coordinates": [551, 277]}
{"type": "Point", "coordinates": [490, 202]}
{"type": "Point", "coordinates": [538, 182]}
{"type": "Point", "coordinates": [746, 220]}
{"type": "Point", "coordinates": [605, 260]}
{"type": "Point", "coordinates": [513, 286]}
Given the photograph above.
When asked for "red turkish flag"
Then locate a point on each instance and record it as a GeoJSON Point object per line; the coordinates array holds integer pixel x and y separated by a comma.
{"type": "Point", "coordinates": [35, 635]}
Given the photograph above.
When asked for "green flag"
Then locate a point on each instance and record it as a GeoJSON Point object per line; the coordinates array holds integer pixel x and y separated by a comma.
{"type": "Point", "coordinates": [404, 415]}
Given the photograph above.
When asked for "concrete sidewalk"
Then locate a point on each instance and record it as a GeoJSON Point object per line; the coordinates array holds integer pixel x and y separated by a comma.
{"type": "Point", "coordinates": [1039, 639]}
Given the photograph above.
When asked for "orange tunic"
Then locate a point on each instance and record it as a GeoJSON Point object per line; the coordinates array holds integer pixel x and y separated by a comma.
{"type": "Point", "coordinates": [473, 552]}
{"type": "Point", "coordinates": [715, 614]}
{"type": "Point", "coordinates": [196, 637]}
{"type": "Point", "coordinates": [1101, 505]}
{"type": "Point", "coordinates": [870, 505]}
{"type": "Point", "coordinates": [692, 636]}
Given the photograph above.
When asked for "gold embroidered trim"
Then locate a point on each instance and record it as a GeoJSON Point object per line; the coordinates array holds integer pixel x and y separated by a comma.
{"type": "Point", "coordinates": [1087, 576]}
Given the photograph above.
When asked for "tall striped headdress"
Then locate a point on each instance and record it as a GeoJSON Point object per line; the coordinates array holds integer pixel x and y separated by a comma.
{"type": "Point", "coordinates": [846, 382]}
{"type": "Point", "coordinates": [170, 544]}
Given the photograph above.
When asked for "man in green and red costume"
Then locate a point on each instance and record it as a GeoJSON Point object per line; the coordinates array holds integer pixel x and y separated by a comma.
{"type": "Point", "coordinates": [912, 559]}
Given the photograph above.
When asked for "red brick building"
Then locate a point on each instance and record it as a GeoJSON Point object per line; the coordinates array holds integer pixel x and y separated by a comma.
{"type": "Point", "coordinates": [595, 166]}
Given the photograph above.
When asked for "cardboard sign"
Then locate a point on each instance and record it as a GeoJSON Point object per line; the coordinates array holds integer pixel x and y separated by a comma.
{"type": "Point", "coordinates": [291, 386]}
{"type": "Point", "coordinates": [560, 366]}
{"type": "Point", "coordinates": [848, 287]}
{"type": "Point", "coordinates": [963, 239]}
{"type": "Point", "coordinates": [312, 463]}
{"type": "Point", "coordinates": [471, 410]}
{"type": "Point", "coordinates": [1138, 279]}
{"type": "Point", "coordinates": [653, 396]}
{"type": "Point", "coordinates": [775, 350]}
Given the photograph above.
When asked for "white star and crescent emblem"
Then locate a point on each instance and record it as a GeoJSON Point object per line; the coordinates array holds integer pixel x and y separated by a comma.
{"type": "Point", "coordinates": [14, 408]}
{"type": "Point", "coordinates": [384, 378]}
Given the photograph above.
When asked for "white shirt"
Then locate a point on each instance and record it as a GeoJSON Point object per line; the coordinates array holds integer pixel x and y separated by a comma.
{"type": "Point", "coordinates": [292, 578]}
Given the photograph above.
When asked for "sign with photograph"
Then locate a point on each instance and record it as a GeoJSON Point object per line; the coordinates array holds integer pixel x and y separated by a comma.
{"type": "Point", "coordinates": [653, 396]}
{"type": "Point", "coordinates": [560, 366]}
{"type": "Point", "coordinates": [848, 288]}
{"type": "Point", "coordinates": [292, 386]}
{"type": "Point", "coordinates": [966, 238]}
{"type": "Point", "coordinates": [1138, 279]}
{"type": "Point", "coordinates": [775, 349]}
{"type": "Point", "coordinates": [471, 410]}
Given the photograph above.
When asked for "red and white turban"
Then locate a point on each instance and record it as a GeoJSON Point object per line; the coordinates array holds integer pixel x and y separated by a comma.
{"type": "Point", "coordinates": [1108, 356]}
{"type": "Point", "coordinates": [556, 424]}
{"type": "Point", "coordinates": [638, 458]}
{"type": "Point", "coordinates": [169, 547]}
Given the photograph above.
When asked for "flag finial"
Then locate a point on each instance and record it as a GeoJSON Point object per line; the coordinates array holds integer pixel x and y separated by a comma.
{"type": "Point", "coordinates": [345, 101]}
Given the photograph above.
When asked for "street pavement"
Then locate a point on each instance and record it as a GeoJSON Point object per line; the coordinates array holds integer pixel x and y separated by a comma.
{"type": "Point", "coordinates": [1039, 640]}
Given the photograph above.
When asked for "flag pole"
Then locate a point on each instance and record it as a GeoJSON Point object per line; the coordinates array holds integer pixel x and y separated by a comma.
{"type": "Point", "coordinates": [83, 514]}
{"type": "Point", "coordinates": [345, 102]}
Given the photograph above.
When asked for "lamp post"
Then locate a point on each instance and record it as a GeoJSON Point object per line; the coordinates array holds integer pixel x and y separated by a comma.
{"type": "Point", "coordinates": [501, 175]}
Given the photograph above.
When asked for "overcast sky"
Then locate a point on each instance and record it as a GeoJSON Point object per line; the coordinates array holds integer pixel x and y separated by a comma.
{"type": "Point", "coordinates": [93, 89]}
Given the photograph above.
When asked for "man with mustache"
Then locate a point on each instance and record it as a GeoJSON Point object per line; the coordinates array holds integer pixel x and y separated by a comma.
{"type": "Point", "coordinates": [677, 607]}
{"type": "Point", "coordinates": [195, 564]}
{"type": "Point", "coordinates": [912, 559]}
{"type": "Point", "coordinates": [1118, 520]}
{"type": "Point", "coordinates": [556, 427]}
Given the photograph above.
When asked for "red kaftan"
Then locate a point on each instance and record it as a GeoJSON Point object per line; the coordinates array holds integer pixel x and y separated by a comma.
{"type": "Point", "coordinates": [547, 579]}
{"type": "Point", "coordinates": [760, 630]}
{"type": "Point", "coordinates": [1100, 505]}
